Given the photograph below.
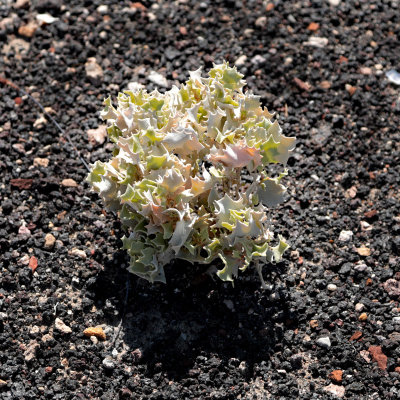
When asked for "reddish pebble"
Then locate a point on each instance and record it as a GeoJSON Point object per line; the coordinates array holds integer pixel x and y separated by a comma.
{"type": "Point", "coordinates": [48, 370]}
{"type": "Point", "coordinates": [378, 356]}
{"type": "Point", "coordinates": [33, 263]}
{"type": "Point", "coordinates": [314, 26]}
{"type": "Point", "coordinates": [183, 30]}
{"type": "Point", "coordinates": [368, 282]}
{"type": "Point", "coordinates": [336, 375]}
{"type": "Point", "coordinates": [18, 100]}
{"type": "Point", "coordinates": [397, 369]}
{"type": "Point", "coordinates": [356, 335]}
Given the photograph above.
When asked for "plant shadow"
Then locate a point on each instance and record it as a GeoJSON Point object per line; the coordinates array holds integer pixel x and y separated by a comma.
{"type": "Point", "coordinates": [197, 315]}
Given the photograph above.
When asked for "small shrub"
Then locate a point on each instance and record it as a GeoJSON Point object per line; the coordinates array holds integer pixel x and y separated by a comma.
{"type": "Point", "coordinates": [188, 174]}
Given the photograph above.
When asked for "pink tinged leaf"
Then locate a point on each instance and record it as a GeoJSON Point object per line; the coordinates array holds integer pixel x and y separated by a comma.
{"type": "Point", "coordinates": [238, 156]}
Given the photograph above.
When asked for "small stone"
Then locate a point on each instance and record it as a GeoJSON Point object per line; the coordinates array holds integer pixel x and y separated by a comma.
{"type": "Point", "coordinates": [301, 84]}
{"type": "Point", "coordinates": [361, 267]}
{"type": "Point", "coordinates": [378, 356]}
{"type": "Point", "coordinates": [314, 323]}
{"type": "Point", "coordinates": [258, 59]}
{"type": "Point", "coordinates": [392, 287]}
{"type": "Point", "coordinates": [30, 352]}
{"type": "Point", "coordinates": [24, 231]}
{"type": "Point", "coordinates": [95, 331]}
{"type": "Point", "coordinates": [345, 236]}
{"type": "Point", "coordinates": [364, 251]}
{"type": "Point", "coordinates": [363, 317]}
{"type": "Point", "coordinates": [24, 260]}
{"type": "Point", "coordinates": [365, 355]}
{"type": "Point", "coordinates": [158, 79]}
{"type": "Point", "coordinates": [243, 368]}
{"type": "Point", "coordinates": [396, 320]}
{"type": "Point", "coordinates": [313, 26]}
{"type": "Point", "coordinates": [334, 3]}
{"type": "Point", "coordinates": [332, 287]}
{"type": "Point", "coordinates": [48, 370]}
{"type": "Point", "coordinates": [93, 69]}
{"type": "Point", "coordinates": [397, 369]}
{"type": "Point", "coordinates": [33, 263]}
{"type": "Point", "coordinates": [336, 376]}
{"type": "Point", "coordinates": [241, 61]}
{"type": "Point", "coordinates": [356, 335]}
{"type": "Point", "coordinates": [2, 383]}
{"type": "Point", "coordinates": [79, 253]}
{"type": "Point", "coordinates": [338, 391]}
{"type": "Point", "coordinates": [46, 19]}
{"type": "Point", "coordinates": [248, 32]}
{"type": "Point", "coordinates": [366, 70]}
{"type": "Point", "coordinates": [40, 122]}
{"type": "Point", "coordinates": [261, 21]}
{"type": "Point", "coordinates": [41, 162]}
{"type": "Point", "coordinates": [69, 183]}
{"type": "Point", "coordinates": [102, 9]}
{"type": "Point", "coordinates": [94, 339]}
{"type": "Point", "coordinates": [350, 89]}
{"type": "Point", "coordinates": [28, 30]}
{"type": "Point", "coordinates": [183, 30]}
{"type": "Point", "coordinates": [135, 86]}
{"type": "Point", "coordinates": [21, 183]}
{"type": "Point", "coordinates": [325, 85]}
{"type": "Point", "coordinates": [97, 136]}
{"type": "Point", "coordinates": [49, 241]}
{"type": "Point", "coordinates": [108, 363]}
{"type": "Point", "coordinates": [359, 307]}
{"type": "Point", "coordinates": [61, 327]}
{"type": "Point", "coordinates": [315, 41]}
{"type": "Point", "coordinates": [324, 342]}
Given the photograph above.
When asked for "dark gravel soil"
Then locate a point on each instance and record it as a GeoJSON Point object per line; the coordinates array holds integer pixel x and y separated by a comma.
{"type": "Point", "coordinates": [329, 324]}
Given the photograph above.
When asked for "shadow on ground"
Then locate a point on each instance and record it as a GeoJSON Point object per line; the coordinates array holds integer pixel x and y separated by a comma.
{"type": "Point", "coordinates": [195, 315]}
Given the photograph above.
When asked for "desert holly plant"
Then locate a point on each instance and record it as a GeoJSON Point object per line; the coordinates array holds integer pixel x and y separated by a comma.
{"type": "Point", "coordinates": [189, 175]}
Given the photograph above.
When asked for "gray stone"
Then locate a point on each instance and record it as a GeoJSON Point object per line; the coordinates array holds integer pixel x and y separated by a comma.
{"type": "Point", "coordinates": [324, 342]}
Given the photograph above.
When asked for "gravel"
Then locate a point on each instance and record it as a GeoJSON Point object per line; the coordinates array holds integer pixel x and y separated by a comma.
{"type": "Point", "coordinates": [321, 66]}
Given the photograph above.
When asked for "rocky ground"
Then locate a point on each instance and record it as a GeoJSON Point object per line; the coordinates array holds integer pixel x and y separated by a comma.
{"type": "Point", "coordinates": [329, 324]}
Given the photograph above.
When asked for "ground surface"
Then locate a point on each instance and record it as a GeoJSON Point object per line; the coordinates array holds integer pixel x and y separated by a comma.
{"type": "Point", "coordinates": [332, 305]}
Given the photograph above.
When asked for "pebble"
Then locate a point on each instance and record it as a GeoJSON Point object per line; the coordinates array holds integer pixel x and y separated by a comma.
{"type": "Point", "coordinates": [378, 356]}
{"type": "Point", "coordinates": [396, 320]}
{"type": "Point", "coordinates": [324, 342]}
{"type": "Point", "coordinates": [261, 21]}
{"type": "Point", "coordinates": [336, 375]}
{"type": "Point", "coordinates": [366, 70]}
{"type": "Point", "coordinates": [61, 326]}
{"type": "Point", "coordinates": [345, 236]}
{"type": "Point", "coordinates": [28, 30]}
{"type": "Point", "coordinates": [364, 251]}
{"type": "Point", "coordinates": [243, 368]}
{"type": "Point", "coordinates": [334, 2]}
{"type": "Point", "coordinates": [41, 162]}
{"type": "Point", "coordinates": [98, 135]}
{"type": "Point", "coordinates": [3, 383]}
{"type": "Point", "coordinates": [79, 253]}
{"type": "Point", "coordinates": [135, 86]}
{"type": "Point", "coordinates": [338, 391]}
{"type": "Point", "coordinates": [96, 331]}
{"type": "Point", "coordinates": [93, 69]}
{"type": "Point", "coordinates": [49, 241]}
{"type": "Point", "coordinates": [241, 61]}
{"type": "Point", "coordinates": [332, 287]}
{"type": "Point", "coordinates": [102, 9]}
{"type": "Point", "coordinates": [258, 59]}
{"type": "Point", "coordinates": [46, 19]}
{"type": "Point", "coordinates": [30, 352]}
{"type": "Point", "coordinates": [363, 317]}
{"type": "Point", "coordinates": [108, 363]}
{"type": "Point", "coordinates": [158, 79]}
{"type": "Point", "coordinates": [315, 41]}
{"type": "Point", "coordinates": [69, 183]}
{"type": "Point", "coordinates": [359, 307]}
